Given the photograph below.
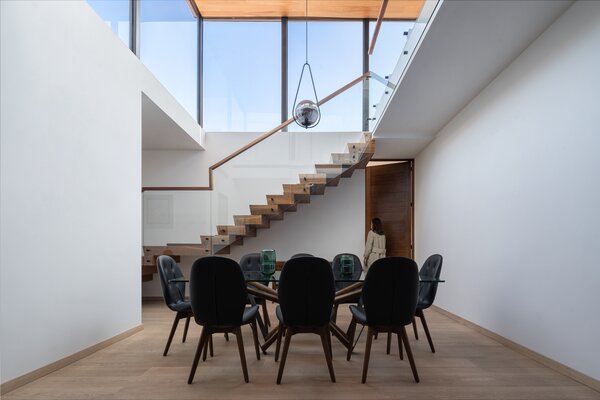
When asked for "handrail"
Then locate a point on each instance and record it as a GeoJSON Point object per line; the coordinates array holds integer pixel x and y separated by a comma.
{"type": "Point", "coordinates": [378, 26]}
{"type": "Point", "coordinates": [255, 142]}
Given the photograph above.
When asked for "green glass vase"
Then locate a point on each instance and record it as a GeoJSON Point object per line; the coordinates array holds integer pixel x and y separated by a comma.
{"type": "Point", "coordinates": [346, 264]}
{"type": "Point", "coordinates": [267, 261]}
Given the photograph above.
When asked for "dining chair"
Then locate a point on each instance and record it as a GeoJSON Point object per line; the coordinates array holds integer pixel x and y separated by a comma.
{"type": "Point", "coordinates": [298, 255]}
{"type": "Point", "coordinates": [306, 293]}
{"type": "Point", "coordinates": [218, 297]}
{"type": "Point", "coordinates": [431, 270]}
{"type": "Point", "coordinates": [251, 262]}
{"type": "Point", "coordinates": [336, 266]}
{"type": "Point", "coordinates": [174, 295]}
{"type": "Point", "coordinates": [390, 294]}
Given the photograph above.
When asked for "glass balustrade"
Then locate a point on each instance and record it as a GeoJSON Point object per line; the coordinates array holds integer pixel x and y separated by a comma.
{"type": "Point", "coordinates": [173, 216]}
{"type": "Point", "coordinates": [397, 42]}
{"type": "Point", "coordinates": [282, 159]}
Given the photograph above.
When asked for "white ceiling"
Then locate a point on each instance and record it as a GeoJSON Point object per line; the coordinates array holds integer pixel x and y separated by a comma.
{"type": "Point", "coordinates": [160, 132]}
{"type": "Point", "coordinates": [467, 45]}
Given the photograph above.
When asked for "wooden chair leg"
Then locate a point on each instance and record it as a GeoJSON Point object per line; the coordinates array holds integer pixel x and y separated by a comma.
{"type": "Point", "coordinates": [335, 311]}
{"type": "Point", "coordinates": [409, 354]}
{"type": "Point", "coordinates": [371, 332]}
{"type": "Point", "coordinates": [255, 337]}
{"type": "Point", "coordinates": [324, 333]}
{"type": "Point", "coordinates": [389, 343]}
{"type": "Point", "coordinates": [266, 314]}
{"type": "Point", "coordinates": [210, 346]}
{"type": "Point", "coordinates": [173, 329]}
{"type": "Point", "coordinates": [240, 341]}
{"type": "Point", "coordinates": [286, 346]}
{"type": "Point", "coordinates": [185, 330]}
{"type": "Point", "coordinates": [351, 333]}
{"type": "Point", "coordinates": [205, 349]}
{"type": "Point", "coordinates": [197, 356]}
{"type": "Point", "coordinates": [414, 324]}
{"type": "Point", "coordinates": [400, 346]}
{"type": "Point", "coordinates": [422, 316]}
{"type": "Point", "coordinates": [279, 336]}
{"type": "Point", "coordinates": [329, 341]}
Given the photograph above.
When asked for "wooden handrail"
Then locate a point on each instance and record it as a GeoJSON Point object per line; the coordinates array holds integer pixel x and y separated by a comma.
{"type": "Point", "coordinates": [378, 26]}
{"type": "Point", "coordinates": [255, 142]}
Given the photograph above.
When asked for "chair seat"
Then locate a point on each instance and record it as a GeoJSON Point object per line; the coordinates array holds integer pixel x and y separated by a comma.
{"type": "Point", "coordinates": [421, 305]}
{"type": "Point", "coordinates": [359, 314]}
{"type": "Point", "coordinates": [279, 314]}
{"type": "Point", "coordinates": [249, 314]}
{"type": "Point", "coordinates": [181, 306]}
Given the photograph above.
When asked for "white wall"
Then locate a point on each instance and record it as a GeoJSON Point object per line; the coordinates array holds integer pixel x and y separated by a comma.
{"type": "Point", "coordinates": [509, 193]}
{"type": "Point", "coordinates": [71, 144]}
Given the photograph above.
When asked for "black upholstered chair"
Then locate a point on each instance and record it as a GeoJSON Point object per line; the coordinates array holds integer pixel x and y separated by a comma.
{"type": "Point", "coordinates": [306, 293]}
{"type": "Point", "coordinates": [251, 262]}
{"type": "Point", "coordinates": [431, 269]}
{"type": "Point", "coordinates": [218, 297]}
{"type": "Point", "coordinates": [390, 296]}
{"type": "Point", "coordinates": [174, 295]}
{"type": "Point", "coordinates": [336, 265]}
{"type": "Point", "coordinates": [298, 255]}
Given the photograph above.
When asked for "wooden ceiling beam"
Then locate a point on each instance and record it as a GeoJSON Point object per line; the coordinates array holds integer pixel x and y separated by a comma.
{"type": "Point", "coordinates": [337, 9]}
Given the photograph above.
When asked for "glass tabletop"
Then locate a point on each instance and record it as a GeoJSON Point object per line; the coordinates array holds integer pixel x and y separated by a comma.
{"type": "Point", "coordinates": [257, 276]}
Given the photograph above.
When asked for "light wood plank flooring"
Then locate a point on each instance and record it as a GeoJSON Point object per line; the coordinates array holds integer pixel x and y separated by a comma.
{"type": "Point", "coordinates": [467, 365]}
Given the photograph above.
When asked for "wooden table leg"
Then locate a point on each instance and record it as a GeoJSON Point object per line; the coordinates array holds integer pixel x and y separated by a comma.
{"type": "Point", "coordinates": [339, 334]}
{"type": "Point", "coordinates": [270, 339]}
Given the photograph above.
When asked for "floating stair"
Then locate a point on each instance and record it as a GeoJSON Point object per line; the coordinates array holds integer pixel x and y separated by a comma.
{"type": "Point", "coordinates": [342, 165]}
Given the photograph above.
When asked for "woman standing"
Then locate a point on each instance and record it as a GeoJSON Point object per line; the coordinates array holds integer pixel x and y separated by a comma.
{"type": "Point", "coordinates": [375, 246]}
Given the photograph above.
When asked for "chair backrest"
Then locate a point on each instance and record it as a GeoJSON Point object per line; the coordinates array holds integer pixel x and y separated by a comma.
{"type": "Point", "coordinates": [168, 269]}
{"type": "Point", "coordinates": [306, 292]}
{"type": "Point", "coordinates": [390, 291]}
{"type": "Point", "coordinates": [301, 255]}
{"type": "Point", "coordinates": [250, 262]}
{"type": "Point", "coordinates": [336, 265]}
{"type": "Point", "coordinates": [431, 269]}
{"type": "Point", "coordinates": [217, 291]}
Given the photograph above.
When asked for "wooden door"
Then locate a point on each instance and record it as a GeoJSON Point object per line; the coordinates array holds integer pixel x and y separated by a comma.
{"type": "Point", "coordinates": [389, 196]}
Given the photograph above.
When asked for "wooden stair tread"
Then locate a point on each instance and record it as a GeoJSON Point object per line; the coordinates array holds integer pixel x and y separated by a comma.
{"type": "Point", "coordinates": [315, 179]}
{"type": "Point", "coordinates": [237, 230]}
{"type": "Point", "coordinates": [174, 250]}
{"type": "Point", "coordinates": [271, 211]}
{"type": "Point", "coordinates": [258, 221]}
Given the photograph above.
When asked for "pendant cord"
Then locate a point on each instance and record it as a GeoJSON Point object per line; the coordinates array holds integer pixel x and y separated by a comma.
{"type": "Point", "coordinates": [306, 29]}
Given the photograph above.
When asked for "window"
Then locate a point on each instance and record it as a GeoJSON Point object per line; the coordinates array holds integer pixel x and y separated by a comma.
{"type": "Point", "coordinates": [242, 75]}
{"type": "Point", "coordinates": [116, 15]}
{"type": "Point", "coordinates": [169, 48]}
{"type": "Point", "coordinates": [335, 56]}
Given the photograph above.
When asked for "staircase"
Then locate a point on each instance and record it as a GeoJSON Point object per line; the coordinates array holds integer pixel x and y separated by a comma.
{"type": "Point", "coordinates": [342, 165]}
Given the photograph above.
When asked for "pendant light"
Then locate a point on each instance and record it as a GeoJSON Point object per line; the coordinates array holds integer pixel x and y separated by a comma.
{"type": "Point", "coordinates": [307, 113]}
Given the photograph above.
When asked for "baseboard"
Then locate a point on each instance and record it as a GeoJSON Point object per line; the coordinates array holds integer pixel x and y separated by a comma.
{"type": "Point", "coordinates": [548, 362]}
{"type": "Point", "coordinates": [152, 298]}
{"type": "Point", "coordinates": [63, 362]}
{"type": "Point", "coordinates": [156, 298]}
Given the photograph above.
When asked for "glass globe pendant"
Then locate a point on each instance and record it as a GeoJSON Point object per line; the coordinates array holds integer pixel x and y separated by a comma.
{"type": "Point", "coordinates": [307, 113]}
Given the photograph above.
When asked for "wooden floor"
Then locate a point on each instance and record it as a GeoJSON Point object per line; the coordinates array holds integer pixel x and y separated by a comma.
{"type": "Point", "coordinates": [467, 365]}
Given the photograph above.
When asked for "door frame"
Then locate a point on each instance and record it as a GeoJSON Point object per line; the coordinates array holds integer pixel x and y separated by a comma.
{"type": "Point", "coordinates": [412, 199]}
